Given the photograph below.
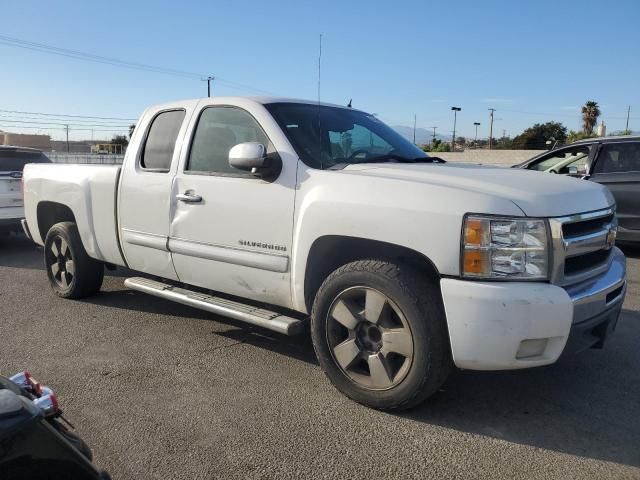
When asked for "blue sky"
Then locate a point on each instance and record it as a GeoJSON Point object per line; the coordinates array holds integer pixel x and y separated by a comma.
{"type": "Point", "coordinates": [533, 61]}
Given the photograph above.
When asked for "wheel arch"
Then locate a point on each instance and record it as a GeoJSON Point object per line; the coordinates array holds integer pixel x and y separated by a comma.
{"type": "Point", "coordinates": [49, 213]}
{"type": "Point", "coordinates": [327, 253]}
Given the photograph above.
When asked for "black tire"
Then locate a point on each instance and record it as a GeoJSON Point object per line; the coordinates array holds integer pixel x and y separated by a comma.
{"type": "Point", "coordinates": [407, 292]}
{"type": "Point", "coordinates": [72, 273]}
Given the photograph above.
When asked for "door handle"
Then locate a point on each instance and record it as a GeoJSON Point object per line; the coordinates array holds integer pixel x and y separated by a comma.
{"type": "Point", "coordinates": [188, 197]}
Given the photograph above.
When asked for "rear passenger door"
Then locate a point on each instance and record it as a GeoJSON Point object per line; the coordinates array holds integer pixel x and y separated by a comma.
{"type": "Point", "coordinates": [145, 202]}
{"type": "Point", "coordinates": [618, 167]}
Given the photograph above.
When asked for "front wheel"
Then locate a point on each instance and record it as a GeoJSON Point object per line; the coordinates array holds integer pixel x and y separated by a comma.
{"type": "Point", "coordinates": [379, 332]}
{"type": "Point", "coordinates": [72, 273]}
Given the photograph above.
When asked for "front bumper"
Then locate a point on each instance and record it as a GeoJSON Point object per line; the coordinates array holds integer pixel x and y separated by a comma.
{"type": "Point", "coordinates": [510, 325]}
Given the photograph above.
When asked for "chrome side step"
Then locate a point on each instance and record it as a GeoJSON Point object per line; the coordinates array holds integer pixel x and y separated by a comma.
{"type": "Point", "coordinates": [221, 306]}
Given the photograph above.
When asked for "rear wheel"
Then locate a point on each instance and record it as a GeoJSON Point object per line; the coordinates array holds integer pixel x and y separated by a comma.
{"type": "Point", "coordinates": [72, 273]}
{"type": "Point", "coordinates": [379, 331]}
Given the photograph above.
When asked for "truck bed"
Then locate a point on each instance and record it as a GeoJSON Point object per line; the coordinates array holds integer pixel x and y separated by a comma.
{"type": "Point", "coordinates": [88, 191]}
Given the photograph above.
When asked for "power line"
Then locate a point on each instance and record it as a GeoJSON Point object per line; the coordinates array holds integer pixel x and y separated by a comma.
{"type": "Point", "coordinates": [90, 57]}
{"type": "Point", "coordinates": [7, 120]}
{"type": "Point", "coordinates": [113, 123]}
{"type": "Point", "coordinates": [63, 128]}
{"type": "Point", "coordinates": [524, 112]}
{"type": "Point", "coordinates": [66, 115]}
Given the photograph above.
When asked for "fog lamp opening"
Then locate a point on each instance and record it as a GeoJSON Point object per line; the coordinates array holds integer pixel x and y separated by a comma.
{"type": "Point", "coordinates": [531, 348]}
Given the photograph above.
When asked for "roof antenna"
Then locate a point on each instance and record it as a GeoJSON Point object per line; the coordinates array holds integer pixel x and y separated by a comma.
{"type": "Point", "coordinates": [349, 104]}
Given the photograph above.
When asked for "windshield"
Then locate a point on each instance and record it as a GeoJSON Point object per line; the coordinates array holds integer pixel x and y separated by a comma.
{"type": "Point", "coordinates": [325, 137]}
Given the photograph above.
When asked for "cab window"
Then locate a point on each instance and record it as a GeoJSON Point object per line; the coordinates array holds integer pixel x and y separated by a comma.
{"type": "Point", "coordinates": [559, 160]}
{"type": "Point", "coordinates": [219, 129]}
{"type": "Point", "coordinates": [158, 148]}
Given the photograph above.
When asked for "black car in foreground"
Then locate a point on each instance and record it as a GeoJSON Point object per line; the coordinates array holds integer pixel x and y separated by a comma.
{"type": "Point", "coordinates": [610, 161]}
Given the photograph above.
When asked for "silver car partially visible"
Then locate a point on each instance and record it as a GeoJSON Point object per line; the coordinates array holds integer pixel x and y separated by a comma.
{"type": "Point", "coordinates": [12, 162]}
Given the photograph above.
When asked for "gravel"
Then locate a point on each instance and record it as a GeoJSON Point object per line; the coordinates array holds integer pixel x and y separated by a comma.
{"type": "Point", "coordinates": [159, 391]}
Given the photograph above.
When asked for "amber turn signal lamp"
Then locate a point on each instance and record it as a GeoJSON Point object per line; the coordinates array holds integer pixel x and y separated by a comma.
{"type": "Point", "coordinates": [476, 262]}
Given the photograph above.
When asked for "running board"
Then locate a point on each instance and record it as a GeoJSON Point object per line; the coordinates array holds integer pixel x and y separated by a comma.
{"type": "Point", "coordinates": [221, 306]}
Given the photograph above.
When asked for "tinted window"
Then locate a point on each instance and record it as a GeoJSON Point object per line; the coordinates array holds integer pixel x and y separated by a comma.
{"type": "Point", "coordinates": [219, 129]}
{"type": "Point", "coordinates": [618, 157]}
{"type": "Point", "coordinates": [161, 140]}
{"type": "Point", "coordinates": [15, 160]}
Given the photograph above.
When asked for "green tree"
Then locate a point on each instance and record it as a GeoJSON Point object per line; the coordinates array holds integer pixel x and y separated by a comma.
{"type": "Point", "coordinates": [437, 145]}
{"type": "Point", "coordinates": [120, 140]}
{"type": "Point", "coordinates": [575, 136]}
{"type": "Point", "coordinates": [590, 114]}
{"type": "Point", "coordinates": [535, 138]}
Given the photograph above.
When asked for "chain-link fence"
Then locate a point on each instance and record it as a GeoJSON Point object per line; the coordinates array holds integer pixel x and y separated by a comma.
{"type": "Point", "coordinates": [87, 158]}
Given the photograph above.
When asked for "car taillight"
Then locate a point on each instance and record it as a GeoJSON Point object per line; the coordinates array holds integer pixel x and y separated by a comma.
{"type": "Point", "coordinates": [22, 379]}
{"type": "Point", "coordinates": [27, 382]}
{"type": "Point", "coordinates": [48, 404]}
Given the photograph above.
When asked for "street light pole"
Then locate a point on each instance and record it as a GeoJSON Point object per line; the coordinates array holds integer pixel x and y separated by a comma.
{"type": "Point", "coordinates": [491, 129]}
{"type": "Point", "coordinates": [414, 128]}
{"type": "Point", "coordinates": [477, 124]}
{"type": "Point", "coordinates": [209, 79]}
{"type": "Point", "coordinates": [453, 140]}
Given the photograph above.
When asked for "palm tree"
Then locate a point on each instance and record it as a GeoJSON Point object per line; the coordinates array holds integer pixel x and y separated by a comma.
{"type": "Point", "coordinates": [590, 114]}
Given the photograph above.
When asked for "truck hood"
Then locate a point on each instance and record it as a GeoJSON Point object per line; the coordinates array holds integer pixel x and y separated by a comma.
{"type": "Point", "coordinates": [537, 194]}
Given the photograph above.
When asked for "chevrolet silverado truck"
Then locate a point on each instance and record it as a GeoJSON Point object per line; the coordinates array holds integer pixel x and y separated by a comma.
{"type": "Point", "coordinates": [284, 213]}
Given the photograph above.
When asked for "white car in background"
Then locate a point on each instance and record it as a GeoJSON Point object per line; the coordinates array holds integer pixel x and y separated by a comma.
{"type": "Point", "coordinates": [12, 162]}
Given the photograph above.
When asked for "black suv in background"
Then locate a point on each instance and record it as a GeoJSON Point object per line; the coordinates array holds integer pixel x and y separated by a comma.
{"type": "Point", "coordinates": [611, 161]}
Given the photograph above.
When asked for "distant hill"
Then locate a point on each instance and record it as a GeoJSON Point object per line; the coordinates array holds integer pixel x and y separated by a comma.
{"type": "Point", "coordinates": [422, 134]}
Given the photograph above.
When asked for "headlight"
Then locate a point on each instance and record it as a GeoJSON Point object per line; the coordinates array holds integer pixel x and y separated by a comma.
{"type": "Point", "coordinates": [505, 248]}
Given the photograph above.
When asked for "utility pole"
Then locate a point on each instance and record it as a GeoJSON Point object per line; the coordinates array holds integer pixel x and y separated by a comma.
{"type": "Point", "coordinates": [434, 134]}
{"type": "Point", "coordinates": [453, 139]}
{"type": "Point", "coordinates": [491, 129]}
{"type": "Point", "coordinates": [628, 112]}
{"type": "Point", "coordinates": [414, 128]}
{"type": "Point", "coordinates": [209, 79]}
{"type": "Point", "coordinates": [477, 124]}
{"type": "Point", "coordinates": [67, 129]}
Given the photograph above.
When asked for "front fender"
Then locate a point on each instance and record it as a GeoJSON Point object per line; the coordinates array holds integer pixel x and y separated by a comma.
{"type": "Point", "coordinates": [423, 218]}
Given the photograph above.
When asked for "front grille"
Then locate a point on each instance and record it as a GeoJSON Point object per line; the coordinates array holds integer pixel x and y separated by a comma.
{"type": "Point", "coordinates": [581, 246]}
{"type": "Point", "coordinates": [582, 263]}
{"type": "Point", "coordinates": [570, 230]}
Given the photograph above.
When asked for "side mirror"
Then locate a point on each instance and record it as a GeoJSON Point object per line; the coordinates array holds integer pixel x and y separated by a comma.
{"type": "Point", "coordinates": [248, 156]}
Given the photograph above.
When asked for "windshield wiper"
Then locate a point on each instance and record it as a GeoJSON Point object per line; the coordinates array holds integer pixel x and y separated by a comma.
{"type": "Point", "coordinates": [401, 159]}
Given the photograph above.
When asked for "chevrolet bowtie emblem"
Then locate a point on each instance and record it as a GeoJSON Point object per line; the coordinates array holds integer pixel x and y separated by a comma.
{"type": "Point", "coordinates": [611, 237]}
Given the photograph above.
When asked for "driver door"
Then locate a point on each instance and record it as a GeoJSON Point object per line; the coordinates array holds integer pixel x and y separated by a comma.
{"type": "Point", "coordinates": [231, 231]}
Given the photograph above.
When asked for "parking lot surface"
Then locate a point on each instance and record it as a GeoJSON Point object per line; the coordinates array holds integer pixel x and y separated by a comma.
{"type": "Point", "coordinates": [162, 391]}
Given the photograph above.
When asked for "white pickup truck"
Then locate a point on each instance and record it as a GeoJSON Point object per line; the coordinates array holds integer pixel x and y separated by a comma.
{"type": "Point", "coordinates": [278, 211]}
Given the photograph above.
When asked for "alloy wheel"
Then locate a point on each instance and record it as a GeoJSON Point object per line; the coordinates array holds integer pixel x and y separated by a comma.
{"type": "Point", "coordinates": [60, 262]}
{"type": "Point", "coordinates": [369, 338]}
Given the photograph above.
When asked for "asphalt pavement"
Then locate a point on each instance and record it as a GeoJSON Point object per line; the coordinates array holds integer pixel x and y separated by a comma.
{"type": "Point", "coordinates": [163, 391]}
